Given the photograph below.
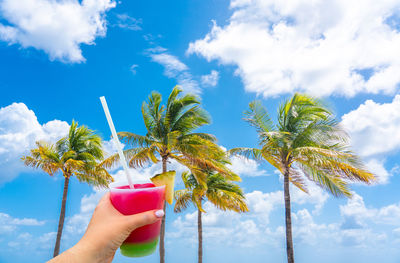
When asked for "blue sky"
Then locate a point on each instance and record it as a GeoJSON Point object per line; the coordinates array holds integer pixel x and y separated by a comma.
{"type": "Point", "coordinates": [58, 57]}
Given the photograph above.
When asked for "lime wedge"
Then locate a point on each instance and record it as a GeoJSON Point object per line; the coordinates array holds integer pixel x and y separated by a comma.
{"type": "Point", "coordinates": [167, 179]}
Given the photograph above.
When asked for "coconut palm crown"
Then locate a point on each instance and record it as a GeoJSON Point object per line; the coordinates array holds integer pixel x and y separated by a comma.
{"type": "Point", "coordinates": [219, 191]}
{"type": "Point", "coordinates": [170, 136]}
{"type": "Point", "coordinates": [306, 142]}
{"type": "Point", "coordinates": [222, 193]}
{"type": "Point", "coordinates": [77, 154]}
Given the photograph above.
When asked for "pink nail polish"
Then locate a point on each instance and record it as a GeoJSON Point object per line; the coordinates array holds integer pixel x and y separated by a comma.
{"type": "Point", "coordinates": [159, 213]}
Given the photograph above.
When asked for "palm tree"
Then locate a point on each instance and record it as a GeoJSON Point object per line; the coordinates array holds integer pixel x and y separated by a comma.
{"type": "Point", "coordinates": [307, 142]}
{"type": "Point", "coordinates": [170, 136]}
{"type": "Point", "coordinates": [222, 193]}
{"type": "Point", "coordinates": [76, 154]}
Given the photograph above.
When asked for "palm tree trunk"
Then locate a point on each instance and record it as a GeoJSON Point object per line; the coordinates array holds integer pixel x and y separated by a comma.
{"type": "Point", "coordinates": [288, 217]}
{"type": "Point", "coordinates": [162, 230]}
{"type": "Point", "coordinates": [200, 233]}
{"type": "Point", "coordinates": [62, 217]}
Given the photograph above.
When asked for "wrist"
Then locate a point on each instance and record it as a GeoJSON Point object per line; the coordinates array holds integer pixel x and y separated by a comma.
{"type": "Point", "coordinates": [83, 252]}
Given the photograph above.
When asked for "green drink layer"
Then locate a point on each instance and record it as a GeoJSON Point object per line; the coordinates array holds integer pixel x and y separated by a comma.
{"type": "Point", "coordinates": [139, 249]}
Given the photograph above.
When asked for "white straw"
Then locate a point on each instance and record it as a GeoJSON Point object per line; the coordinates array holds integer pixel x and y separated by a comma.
{"type": "Point", "coordinates": [116, 141]}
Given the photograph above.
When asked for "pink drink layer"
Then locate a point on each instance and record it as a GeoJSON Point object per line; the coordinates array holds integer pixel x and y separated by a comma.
{"type": "Point", "coordinates": [143, 198]}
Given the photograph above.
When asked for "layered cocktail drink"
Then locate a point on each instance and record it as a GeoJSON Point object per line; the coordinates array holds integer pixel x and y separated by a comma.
{"type": "Point", "coordinates": [144, 197]}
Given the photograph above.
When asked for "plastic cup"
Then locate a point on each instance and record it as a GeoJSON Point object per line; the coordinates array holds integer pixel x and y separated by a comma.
{"type": "Point", "coordinates": [144, 197]}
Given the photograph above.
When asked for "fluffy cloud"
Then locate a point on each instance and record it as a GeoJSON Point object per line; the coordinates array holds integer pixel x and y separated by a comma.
{"type": "Point", "coordinates": [76, 224]}
{"type": "Point", "coordinates": [357, 215]}
{"type": "Point", "coordinates": [226, 227]}
{"type": "Point", "coordinates": [9, 224]}
{"type": "Point", "coordinates": [262, 204]}
{"type": "Point", "coordinates": [316, 196]}
{"type": "Point", "coordinates": [56, 27]}
{"type": "Point", "coordinates": [210, 80]}
{"type": "Point", "coordinates": [355, 228]}
{"type": "Point", "coordinates": [378, 124]}
{"type": "Point", "coordinates": [253, 228]}
{"type": "Point", "coordinates": [319, 47]}
{"type": "Point", "coordinates": [375, 123]}
{"type": "Point", "coordinates": [246, 167]}
{"type": "Point", "coordinates": [377, 167]}
{"type": "Point", "coordinates": [19, 130]}
{"type": "Point", "coordinates": [42, 243]}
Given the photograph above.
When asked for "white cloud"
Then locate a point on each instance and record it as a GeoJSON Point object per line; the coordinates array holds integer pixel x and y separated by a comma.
{"type": "Point", "coordinates": [397, 232]}
{"type": "Point", "coordinates": [305, 230]}
{"type": "Point", "coordinates": [174, 68]}
{"type": "Point", "coordinates": [56, 27]}
{"type": "Point", "coordinates": [133, 69]}
{"type": "Point", "coordinates": [19, 130]}
{"type": "Point", "coordinates": [210, 80]}
{"type": "Point", "coordinates": [9, 224]}
{"type": "Point", "coordinates": [375, 123]}
{"type": "Point", "coordinates": [389, 214]}
{"type": "Point", "coordinates": [42, 243]}
{"type": "Point", "coordinates": [127, 22]}
{"type": "Point", "coordinates": [377, 167]}
{"type": "Point", "coordinates": [109, 148]}
{"type": "Point", "coordinates": [373, 128]}
{"type": "Point", "coordinates": [358, 226]}
{"type": "Point", "coordinates": [76, 224]}
{"type": "Point", "coordinates": [319, 47]}
{"type": "Point", "coordinates": [243, 230]}
{"type": "Point", "coordinates": [357, 215]}
{"type": "Point", "coordinates": [262, 204]}
{"type": "Point", "coordinates": [246, 167]}
{"type": "Point", "coordinates": [218, 226]}
{"type": "Point", "coordinates": [316, 196]}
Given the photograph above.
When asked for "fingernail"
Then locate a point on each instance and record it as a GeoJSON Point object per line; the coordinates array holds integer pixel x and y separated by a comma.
{"type": "Point", "coordinates": [159, 213]}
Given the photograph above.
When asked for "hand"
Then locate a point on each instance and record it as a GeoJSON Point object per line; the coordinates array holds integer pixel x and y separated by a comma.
{"type": "Point", "coordinates": [105, 233]}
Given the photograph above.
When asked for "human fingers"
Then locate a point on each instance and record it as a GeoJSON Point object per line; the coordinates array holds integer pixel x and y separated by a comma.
{"type": "Point", "coordinates": [145, 218]}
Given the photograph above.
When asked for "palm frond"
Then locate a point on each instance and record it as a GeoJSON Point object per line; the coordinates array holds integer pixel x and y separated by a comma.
{"type": "Point", "coordinates": [135, 140]}
{"type": "Point", "coordinates": [73, 165]}
{"type": "Point", "coordinates": [190, 120]}
{"type": "Point", "coordinates": [249, 153]}
{"type": "Point", "coordinates": [44, 157]}
{"type": "Point", "coordinates": [258, 117]}
{"type": "Point", "coordinates": [142, 157]}
{"type": "Point", "coordinates": [178, 106]}
{"type": "Point", "coordinates": [183, 199]}
{"type": "Point", "coordinates": [189, 180]}
{"type": "Point", "coordinates": [205, 136]}
{"type": "Point", "coordinates": [95, 176]}
{"type": "Point", "coordinates": [343, 164]}
{"type": "Point", "coordinates": [68, 155]}
{"type": "Point", "coordinates": [330, 182]}
{"type": "Point", "coordinates": [113, 160]}
{"type": "Point", "coordinates": [297, 180]}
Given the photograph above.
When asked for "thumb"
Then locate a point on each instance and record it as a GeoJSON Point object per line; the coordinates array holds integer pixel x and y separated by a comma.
{"type": "Point", "coordinates": [145, 218]}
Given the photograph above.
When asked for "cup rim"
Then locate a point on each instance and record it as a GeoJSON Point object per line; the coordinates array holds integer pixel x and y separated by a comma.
{"type": "Point", "coordinates": [112, 186]}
